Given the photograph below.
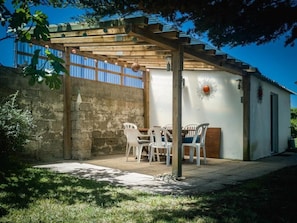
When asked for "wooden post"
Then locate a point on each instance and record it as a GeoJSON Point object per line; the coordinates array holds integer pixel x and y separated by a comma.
{"type": "Point", "coordinates": [146, 98]}
{"type": "Point", "coordinates": [177, 67]}
{"type": "Point", "coordinates": [67, 108]}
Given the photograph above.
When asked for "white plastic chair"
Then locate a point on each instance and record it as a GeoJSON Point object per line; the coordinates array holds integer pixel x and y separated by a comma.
{"type": "Point", "coordinates": [134, 141]}
{"type": "Point", "coordinates": [168, 126]}
{"type": "Point", "coordinates": [129, 125]}
{"type": "Point", "coordinates": [191, 128]}
{"type": "Point", "coordinates": [159, 141]}
{"type": "Point", "coordinates": [197, 143]}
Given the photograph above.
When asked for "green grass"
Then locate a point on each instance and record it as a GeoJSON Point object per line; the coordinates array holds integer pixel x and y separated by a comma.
{"type": "Point", "coordinates": [36, 195]}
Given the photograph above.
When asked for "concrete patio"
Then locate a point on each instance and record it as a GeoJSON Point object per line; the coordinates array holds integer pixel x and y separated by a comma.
{"type": "Point", "coordinates": [157, 178]}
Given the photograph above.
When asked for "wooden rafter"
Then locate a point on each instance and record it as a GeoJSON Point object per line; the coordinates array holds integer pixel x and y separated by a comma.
{"type": "Point", "coordinates": [120, 48]}
{"type": "Point", "coordinates": [91, 32]}
{"type": "Point", "coordinates": [107, 44]}
{"type": "Point", "coordinates": [93, 39]}
{"type": "Point", "coordinates": [131, 53]}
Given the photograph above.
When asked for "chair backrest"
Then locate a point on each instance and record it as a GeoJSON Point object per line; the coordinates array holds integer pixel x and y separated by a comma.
{"type": "Point", "coordinates": [201, 133]}
{"type": "Point", "coordinates": [132, 136]}
{"type": "Point", "coordinates": [128, 125]}
{"type": "Point", "coordinates": [168, 126]}
{"type": "Point", "coordinates": [191, 129]}
{"type": "Point", "coordinates": [157, 134]}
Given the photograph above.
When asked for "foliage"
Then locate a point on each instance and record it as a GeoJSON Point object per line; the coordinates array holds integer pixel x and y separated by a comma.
{"type": "Point", "coordinates": [26, 27]}
{"type": "Point", "coordinates": [294, 122]}
{"type": "Point", "coordinates": [22, 21]}
{"type": "Point", "coordinates": [24, 24]}
{"type": "Point", "coordinates": [38, 195]}
{"type": "Point", "coordinates": [38, 75]}
{"type": "Point", "coordinates": [16, 126]}
{"type": "Point", "coordinates": [227, 22]}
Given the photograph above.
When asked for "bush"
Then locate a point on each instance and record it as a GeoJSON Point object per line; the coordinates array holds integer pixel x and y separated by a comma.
{"type": "Point", "coordinates": [293, 122]}
{"type": "Point", "coordinates": [16, 126]}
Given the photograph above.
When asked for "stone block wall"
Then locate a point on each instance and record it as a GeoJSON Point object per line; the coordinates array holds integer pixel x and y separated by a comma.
{"type": "Point", "coordinates": [97, 113]}
{"type": "Point", "coordinates": [46, 107]}
{"type": "Point", "coordinates": [99, 116]}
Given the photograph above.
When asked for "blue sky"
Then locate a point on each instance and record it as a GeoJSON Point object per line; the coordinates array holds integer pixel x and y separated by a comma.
{"type": "Point", "coordinates": [273, 60]}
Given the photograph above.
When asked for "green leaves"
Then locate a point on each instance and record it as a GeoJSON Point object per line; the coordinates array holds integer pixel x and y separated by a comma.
{"type": "Point", "coordinates": [41, 30]}
{"type": "Point", "coordinates": [28, 26]}
{"type": "Point", "coordinates": [23, 21]}
{"type": "Point", "coordinates": [40, 74]}
{"type": "Point", "coordinates": [294, 122]}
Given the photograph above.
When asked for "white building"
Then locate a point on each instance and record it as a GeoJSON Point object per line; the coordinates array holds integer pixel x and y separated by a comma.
{"type": "Point", "coordinates": [252, 112]}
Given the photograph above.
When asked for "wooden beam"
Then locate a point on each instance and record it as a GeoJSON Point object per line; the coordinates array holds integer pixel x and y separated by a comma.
{"type": "Point", "coordinates": [231, 60]}
{"type": "Point", "coordinates": [221, 56]}
{"type": "Point", "coordinates": [212, 60]}
{"type": "Point", "coordinates": [120, 48]}
{"type": "Point", "coordinates": [93, 39]}
{"type": "Point", "coordinates": [198, 47]}
{"type": "Point", "coordinates": [197, 65]}
{"type": "Point", "coordinates": [146, 59]}
{"type": "Point", "coordinates": [106, 44]}
{"type": "Point", "coordinates": [146, 97]}
{"type": "Point", "coordinates": [244, 66]}
{"type": "Point", "coordinates": [169, 35]}
{"type": "Point", "coordinates": [157, 27]}
{"type": "Point", "coordinates": [211, 52]}
{"type": "Point", "coordinates": [130, 53]}
{"type": "Point", "coordinates": [89, 32]}
{"type": "Point", "coordinates": [49, 44]}
{"type": "Point", "coordinates": [151, 37]}
{"type": "Point", "coordinates": [184, 40]}
{"type": "Point", "coordinates": [153, 62]}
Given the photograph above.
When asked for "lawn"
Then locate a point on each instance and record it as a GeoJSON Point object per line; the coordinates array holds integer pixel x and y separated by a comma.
{"type": "Point", "coordinates": [36, 195]}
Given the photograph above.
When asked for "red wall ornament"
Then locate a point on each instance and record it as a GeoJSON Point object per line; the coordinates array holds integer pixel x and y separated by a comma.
{"type": "Point", "coordinates": [206, 89]}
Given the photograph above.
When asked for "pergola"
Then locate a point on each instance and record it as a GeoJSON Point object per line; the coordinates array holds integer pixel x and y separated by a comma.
{"type": "Point", "coordinates": [149, 43]}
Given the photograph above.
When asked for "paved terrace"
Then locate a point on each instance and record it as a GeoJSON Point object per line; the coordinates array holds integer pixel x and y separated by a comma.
{"type": "Point", "coordinates": [157, 178]}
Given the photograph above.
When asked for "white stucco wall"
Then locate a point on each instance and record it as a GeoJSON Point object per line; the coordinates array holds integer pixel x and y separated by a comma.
{"type": "Point", "coordinates": [223, 108]}
{"type": "Point", "coordinates": [260, 138]}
